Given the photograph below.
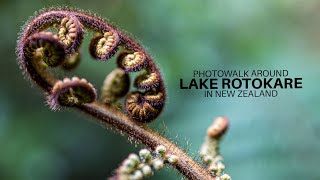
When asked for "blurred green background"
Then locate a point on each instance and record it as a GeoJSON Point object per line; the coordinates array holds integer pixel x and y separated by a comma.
{"type": "Point", "coordinates": [269, 138]}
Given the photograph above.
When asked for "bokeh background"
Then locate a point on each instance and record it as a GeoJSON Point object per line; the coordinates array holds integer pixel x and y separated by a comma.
{"type": "Point", "coordinates": [269, 138]}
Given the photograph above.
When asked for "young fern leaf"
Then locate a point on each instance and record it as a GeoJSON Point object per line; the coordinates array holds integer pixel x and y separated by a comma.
{"type": "Point", "coordinates": [209, 151]}
{"type": "Point", "coordinates": [35, 46]}
{"type": "Point", "coordinates": [136, 167]}
{"type": "Point", "coordinates": [38, 50]}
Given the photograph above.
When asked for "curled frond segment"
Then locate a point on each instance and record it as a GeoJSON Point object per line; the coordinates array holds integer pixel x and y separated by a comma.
{"type": "Point", "coordinates": [102, 47]}
{"type": "Point", "coordinates": [147, 80]}
{"type": "Point", "coordinates": [132, 62]}
{"type": "Point", "coordinates": [143, 106]}
{"type": "Point", "coordinates": [154, 98]}
{"type": "Point", "coordinates": [137, 167]}
{"type": "Point", "coordinates": [46, 47]}
{"type": "Point", "coordinates": [115, 86]}
{"type": "Point", "coordinates": [71, 33]}
{"type": "Point", "coordinates": [71, 92]}
{"type": "Point", "coordinates": [139, 108]}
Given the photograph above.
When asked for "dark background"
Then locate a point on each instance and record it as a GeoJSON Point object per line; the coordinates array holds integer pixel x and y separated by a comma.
{"type": "Point", "coordinates": [269, 138]}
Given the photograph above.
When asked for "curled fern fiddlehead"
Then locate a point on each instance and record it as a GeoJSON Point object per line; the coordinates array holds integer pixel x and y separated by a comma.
{"type": "Point", "coordinates": [209, 151]}
{"type": "Point", "coordinates": [38, 49]}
